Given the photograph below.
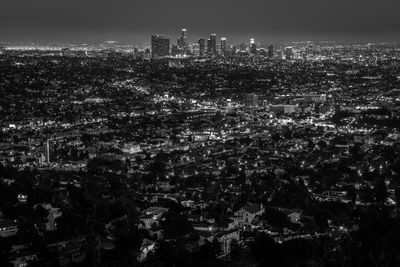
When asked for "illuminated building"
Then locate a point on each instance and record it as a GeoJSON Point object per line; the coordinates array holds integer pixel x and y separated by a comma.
{"type": "Point", "coordinates": [309, 48]}
{"type": "Point", "coordinates": [270, 51]}
{"type": "Point", "coordinates": [289, 53]}
{"type": "Point", "coordinates": [66, 52]}
{"type": "Point", "coordinates": [242, 47]}
{"type": "Point", "coordinates": [48, 151]}
{"type": "Point", "coordinates": [182, 42]}
{"type": "Point", "coordinates": [175, 51]}
{"type": "Point", "coordinates": [195, 50]}
{"type": "Point", "coordinates": [251, 100]}
{"type": "Point", "coordinates": [314, 98]}
{"type": "Point", "coordinates": [212, 45]}
{"type": "Point", "coordinates": [223, 46]}
{"type": "Point", "coordinates": [159, 46]}
{"type": "Point", "coordinates": [202, 47]}
{"type": "Point", "coordinates": [287, 109]}
{"type": "Point", "coordinates": [253, 47]}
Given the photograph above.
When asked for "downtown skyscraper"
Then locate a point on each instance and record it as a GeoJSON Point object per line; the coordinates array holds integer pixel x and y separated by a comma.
{"type": "Point", "coordinates": [270, 51]}
{"type": "Point", "coordinates": [212, 45]}
{"type": "Point", "coordinates": [223, 46]}
{"type": "Point", "coordinates": [159, 46]}
{"type": "Point", "coordinates": [202, 47]}
{"type": "Point", "coordinates": [253, 47]}
{"type": "Point", "coordinates": [183, 45]}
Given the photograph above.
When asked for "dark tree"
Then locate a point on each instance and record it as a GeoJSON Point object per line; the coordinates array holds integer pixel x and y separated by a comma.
{"type": "Point", "coordinates": [380, 192]}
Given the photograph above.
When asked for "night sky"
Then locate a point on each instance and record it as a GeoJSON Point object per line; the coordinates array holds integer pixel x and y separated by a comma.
{"type": "Point", "coordinates": [136, 20]}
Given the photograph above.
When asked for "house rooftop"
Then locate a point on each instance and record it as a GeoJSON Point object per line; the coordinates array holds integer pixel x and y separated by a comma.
{"type": "Point", "coordinates": [155, 210]}
{"type": "Point", "coordinates": [253, 208]}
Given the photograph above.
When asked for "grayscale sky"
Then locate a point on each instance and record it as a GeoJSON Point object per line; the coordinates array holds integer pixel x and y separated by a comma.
{"type": "Point", "coordinates": [136, 20]}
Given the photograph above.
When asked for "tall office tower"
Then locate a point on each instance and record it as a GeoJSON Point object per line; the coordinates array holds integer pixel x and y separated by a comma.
{"type": "Point", "coordinates": [330, 99]}
{"type": "Point", "coordinates": [184, 35]}
{"type": "Point", "coordinates": [47, 151]}
{"type": "Point", "coordinates": [136, 52]}
{"type": "Point", "coordinates": [212, 45]}
{"type": "Point", "coordinates": [182, 42]}
{"type": "Point", "coordinates": [159, 46]}
{"type": "Point", "coordinates": [223, 47]}
{"type": "Point", "coordinates": [175, 51]}
{"type": "Point", "coordinates": [195, 51]}
{"type": "Point", "coordinates": [270, 51]}
{"type": "Point", "coordinates": [251, 100]}
{"type": "Point", "coordinates": [209, 47]}
{"type": "Point", "coordinates": [242, 47]}
{"type": "Point", "coordinates": [253, 47]}
{"type": "Point", "coordinates": [66, 52]}
{"type": "Point", "coordinates": [314, 98]}
{"type": "Point", "coordinates": [289, 53]}
{"type": "Point", "coordinates": [232, 50]}
{"type": "Point", "coordinates": [309, 48]}
{"type": "Point", "coordinates": [202, 47]}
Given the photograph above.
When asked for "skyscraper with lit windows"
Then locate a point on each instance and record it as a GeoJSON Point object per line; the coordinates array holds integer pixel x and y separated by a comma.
{"type": "Point", "coordinates": [223, 46]}
{"type": "Point", "coordinates": [270, 51]}
{"type": "Point", "coordinates": [159, 46]}
{"type": "Point", "coordinates": [251, 100]}
{"type": "Point", "coordinates": [253, 47]}
{"type": "Point", "coordinates": [182, 42]}
{"type": "Point", "coordinates": [212, 45]}
{"type": "Point", "coordinates": [289, 53]}
{"type": "Point", "coordinates": [202, 47]}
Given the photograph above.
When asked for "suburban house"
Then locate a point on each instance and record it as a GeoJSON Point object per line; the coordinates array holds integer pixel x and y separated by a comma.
{"type": "Point", "coordinates": [246, 215]}
{"type": "Point", "coordinates": [294, 217]}
{"type": "Point", "coordinates": [225, 239]}
{"type": "Point", "coordinates": [21, 258]}
{"type": "Point", "coordinates": [8, 228]}
{"type": "Point", "coordinates": [152, 216]}
{"type": "Point", "coordinates": [146, 247]}
{"type": "Point", "coordinates": [54, 213]}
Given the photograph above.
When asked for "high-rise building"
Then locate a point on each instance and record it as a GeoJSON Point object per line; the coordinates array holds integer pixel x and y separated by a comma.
{"type": "Point", "coordinates": [184, 36]}
{"type": "Point", "coordinates": [136, 52]}
{"type": "Point", "coordinates": [159, 46]}
{"type": "Point", "coordinates": [182, 42]}
{"type": "Point", "coordinates": [195, 51]}
{"type": "Point", "coordinates": [289, 53]}
{"type": "Point", "coordinates": [253, 47]}
{"type": "Point", "coordinates": [223, 46]}
{"type": "Point", "coordinates": [232, 50]}
{"type": "Point", "coordinates": [270, 51]}
{"type": "Point", "coordinates": [251, 100]}
{"type": "Point", "coordinates": [309, 48]}
{"type": "Point", "coordinates": [147, 53]}
{"type": "Point", "coordinates": [175, 51]}
{"type": "Point", "coordinates": [202, 47]}
{"type": "Point", "coordinates": [212, 45]}
{"type": "Point", "coordinates": [242, 47]}
{"type": "Point", "coordinates": [47, 151]}
{"type": "Point", "coordinates": [314, 98]}
{"type": "Point", "coordinates": [66, 52]}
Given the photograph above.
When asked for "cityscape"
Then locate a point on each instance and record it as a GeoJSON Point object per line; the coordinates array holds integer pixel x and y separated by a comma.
{"type": "Point", "coordinates": [193, 149]}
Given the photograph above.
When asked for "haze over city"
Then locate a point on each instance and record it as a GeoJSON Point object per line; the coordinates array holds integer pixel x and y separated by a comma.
{"type": "Point", "coordinates": [133, 21]}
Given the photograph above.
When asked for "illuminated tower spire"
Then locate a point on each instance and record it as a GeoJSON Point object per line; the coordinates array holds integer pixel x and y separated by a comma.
{"type": "Point", "coordinates": [48, 151]}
